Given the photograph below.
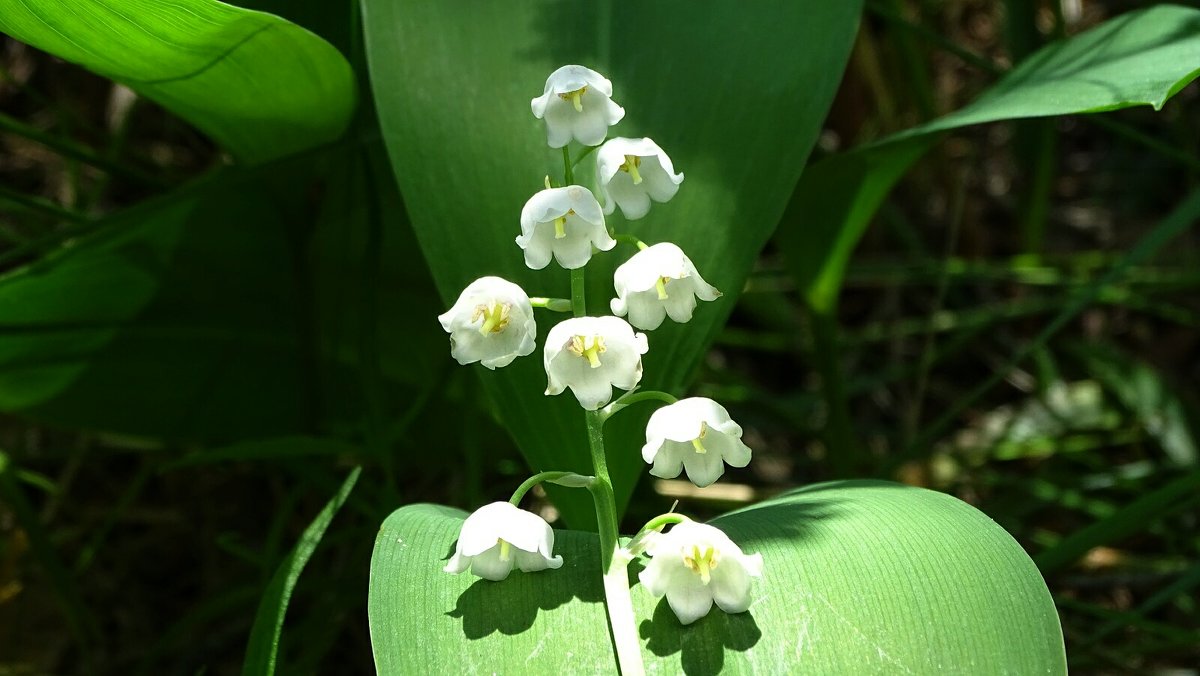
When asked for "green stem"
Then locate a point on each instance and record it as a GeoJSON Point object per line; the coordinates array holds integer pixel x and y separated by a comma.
{"type": "Point", "coordinates": [633, 398]}
{"type": "Point", "coordinates": [568, 479]}
{"type": "Point", "coordinates": [568, 173]}
{"type": "Point", "coordinates": [616, 576]}
{"type": "Point", "coordinates": [552, 304]}
{"type": "Point", "coordinates": [578, 294]}
{"type": "Point", "coordinates": [630, 239]}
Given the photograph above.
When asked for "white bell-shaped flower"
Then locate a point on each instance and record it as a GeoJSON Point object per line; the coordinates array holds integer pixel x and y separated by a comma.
{"type": "Point", "coordinates": [695, 564]}
{"type": "Point", "coordinates": [576, 104]}
{"type": "Point", "coordinates": [633, 171]}
{"type": "Point", "coordinates": [657, 281]}
{"type": "Point", "coordinates": [696, 435]}
{"type": "Point", "coordinates": [564, 223]}
{"type": "Point", "coordinates": [491, 323]}
{"type": "Point", "coordinates": [590, 355]}
{"type": "Point", "coordinates": [496, 537]}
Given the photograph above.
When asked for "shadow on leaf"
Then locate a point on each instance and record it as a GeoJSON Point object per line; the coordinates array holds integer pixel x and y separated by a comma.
{"type": "Point", "coordinates": [703, 643]}
{"type": "Point", "coordinates": [511, 606]}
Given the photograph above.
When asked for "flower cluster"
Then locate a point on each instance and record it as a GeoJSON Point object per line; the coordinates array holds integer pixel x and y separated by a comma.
{"type": "Point", "coordinates": [492, 322]}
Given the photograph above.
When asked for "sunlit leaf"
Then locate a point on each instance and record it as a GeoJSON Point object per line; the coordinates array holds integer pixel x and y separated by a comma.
{"type": "Point", "coordinates": [859, 577]}
{"type": "Point", "coordinates": [726, 92]}
{"type": "Point", "coordinates": [260, 86]}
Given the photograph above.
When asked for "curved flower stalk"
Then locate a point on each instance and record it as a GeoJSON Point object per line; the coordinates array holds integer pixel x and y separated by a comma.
{"type": "Point", "coordinates": [696, 435]}
{"type": "Point", "coordinates": [563, 222]}
{"type": "Point", "coordinates": [656, 282]}
{"type": "Point", "coordinates": [632, 172]}
{"type": "Point", "coordinates": [591, 355]}
{"type": "Point", "coordinates": [499, 536]}
{"type": "Point", "coordinates": [491, 323]}
{"type": "Point", "coordinates": [576, 104]}
{"type": "Point", "coordinates": [695, 565]}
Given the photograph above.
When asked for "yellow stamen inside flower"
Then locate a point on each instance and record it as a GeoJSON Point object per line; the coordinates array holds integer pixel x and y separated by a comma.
{"type": "Point", "coordinates": [494, 315]}
{"type": "Point", "coordinates": [632, 162]}
{"type": "Point", "coordinates": [661, 287]}
{"type": "Point", "coordinates": [560, 225]}
{"type": "Point", "coordinates": [696, 442]}
{"type": "Point", "coordinates": [701, 561]}
{"type": "Point", "coordinates": [574, 97]}
{"type": "Point", "coordinates": [505, 550]}
{"type": "Point", "coordinates": [588, 347]}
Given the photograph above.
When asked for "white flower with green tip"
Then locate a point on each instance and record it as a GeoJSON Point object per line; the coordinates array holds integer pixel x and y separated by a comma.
{"type": "Point", "coordinates": [633, 171]}
{"type": "Point", "coordinates": [591, 355]}
{"type": "Point", "coordinates": [497, 537]}
{"type": "Point", "coordinates": [576, 104]}
{"type": "Point", "coordinates": [491, 323]}
{"type": "Point", "coordinates": [657, 282]}
{"type": "Point", "coordinates": [564, 223]}
{"type": "Point", "coordinates": [696, 435]}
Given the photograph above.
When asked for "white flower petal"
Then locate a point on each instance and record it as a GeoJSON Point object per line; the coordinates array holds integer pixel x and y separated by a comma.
{"type": "Point", "coordinates": [573, 344]}
{"type": "Point", "coordinates": [658, 178]}
{"type": "Point", "coordinates": [668, 461]}
{"type": "Point", "coordinates": [583, 226]}
{"type": "Point", "coordinates": [495, 299]}
{"type": "Point", "coordinates": [498, 536]}
{"type": "Point", "coordinates": [589, 124]}
{"type": "Point", "coordinates": [490, 566]}
{"type": "Point", "coordinates": [662, 269]}
{"type": "Point", "coordinates": [703, 469]}
{"type": "Point", "coordinates": [681, 559]}
{"type": "Point", "coordinates": [690, 602]}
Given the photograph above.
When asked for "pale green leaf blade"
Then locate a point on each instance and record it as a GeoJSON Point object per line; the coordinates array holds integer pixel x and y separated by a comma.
{"type": "Point", "coordinates": [736, 98]}
{"type": "Point", "coordinates": [263, 647]}
{"type": "Point", "coordinates": [260, 86]}
{"type": "Point", "coordinates": [1140, 58]}
{"type": "Point", "coordinates": [859, 577]}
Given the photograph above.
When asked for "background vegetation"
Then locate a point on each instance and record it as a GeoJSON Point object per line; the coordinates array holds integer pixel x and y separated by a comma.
{"type": "Point", "coordinates": [147, 507]}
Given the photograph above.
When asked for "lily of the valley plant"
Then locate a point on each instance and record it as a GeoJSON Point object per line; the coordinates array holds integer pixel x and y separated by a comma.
{"type": "Point", "coordinates": [693, 565]}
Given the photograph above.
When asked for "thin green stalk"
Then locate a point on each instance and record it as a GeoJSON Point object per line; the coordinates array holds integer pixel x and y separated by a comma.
{"type": "Point", "coordinates": [616, 575]}
{"type": "Point", "coordinates": [568, 168]}
{"type": "Point", "coordinates": [552, 304]}
{"type": "Point", "coordinates": [578, 295]}
{"type": "Point", "coordinates": [630, 239]}
{"type": "Point", "coordinates": [633, 398]}
{"type": "Point", "coordinates": [42, 205]}
{"type": "Point", "coordinates": [70, 149]}
{"type": "Point", "coordinates": [569, 479]}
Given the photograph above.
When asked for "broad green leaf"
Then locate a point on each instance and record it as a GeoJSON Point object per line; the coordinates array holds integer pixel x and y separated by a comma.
{"type": "Point", "coordinates": [260, 86]}
{"type": "Point", "coordinates": [263, 647]}
{"type": "Point", "coordinates": [1139, 58]}
{"type": "Point", "coordinates": [859, 577]}
{"type": "Point", "coordinates": [235, 308]}
{"type": "Point", "coordinates": [736, 98]}
{"type": "Point", "coordinates": [136, 309]}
